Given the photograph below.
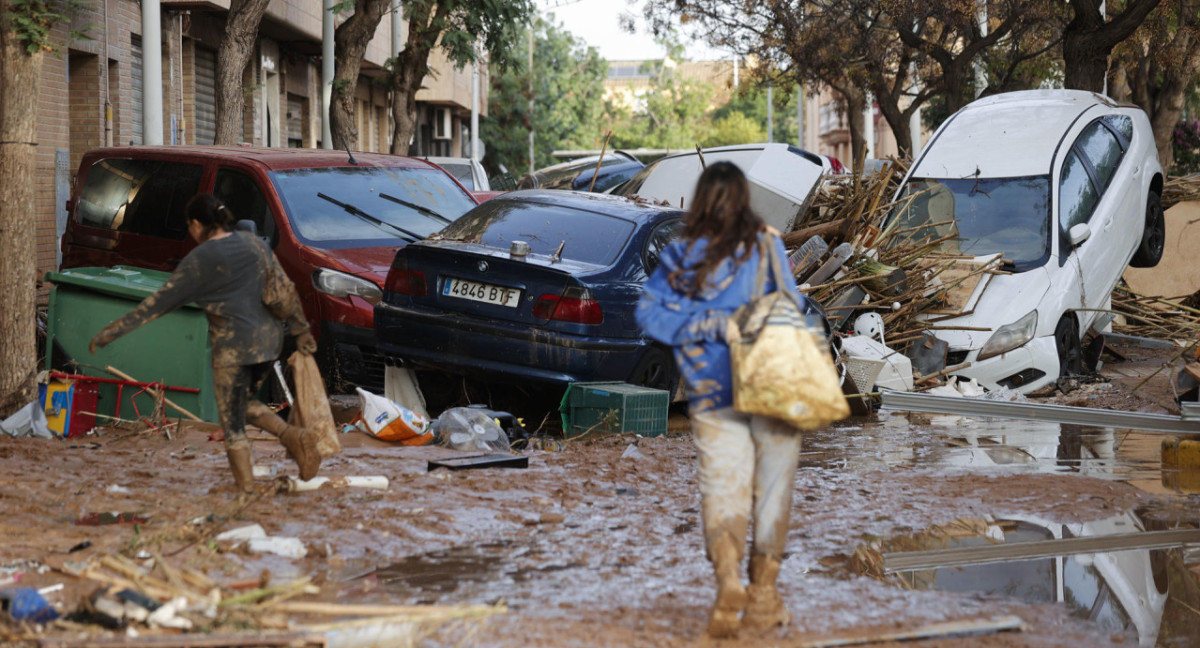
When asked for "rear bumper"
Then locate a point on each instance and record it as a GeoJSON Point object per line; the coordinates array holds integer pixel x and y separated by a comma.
{"type": "Point", "coordinates": [501, 350]}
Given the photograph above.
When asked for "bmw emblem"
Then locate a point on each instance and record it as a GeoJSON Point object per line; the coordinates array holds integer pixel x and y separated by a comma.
{"type": "Point", "coordinates": [482, 266]}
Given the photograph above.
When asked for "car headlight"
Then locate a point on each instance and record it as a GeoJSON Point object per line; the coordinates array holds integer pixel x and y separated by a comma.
{"type": "Point", "coordinates": [1010, 336]}
{"type": "Point", "coordinates": [340, 284]}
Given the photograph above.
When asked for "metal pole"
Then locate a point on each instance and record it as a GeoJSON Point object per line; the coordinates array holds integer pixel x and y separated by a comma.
{"type": "Point", "coordinates": [800, 115]}
{"type": "Point", "coordinates": [152, 93]}
{"type": "Point", "coordinates": [770, 114]}
{"type": "Point", "coordinates": [869, 125]}
{"type": "Point", "coordinates": [326, 72]}
{"type": "Point", "coordinates": [475, 106]}
{"type": "Point", "coordinates": [980, 73]}
{"type": "Point", "coordinates": [531, 169]}
{"type": "Point", "coordinates": [916, 402]}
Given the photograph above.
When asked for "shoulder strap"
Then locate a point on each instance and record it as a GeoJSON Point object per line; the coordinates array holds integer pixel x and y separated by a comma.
{"type": "Point", "coordinates": [781, 278]}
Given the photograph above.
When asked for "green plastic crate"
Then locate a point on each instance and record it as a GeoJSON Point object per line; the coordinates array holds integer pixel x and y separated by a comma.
{"type": "Point", "coordinates": [614, 407]}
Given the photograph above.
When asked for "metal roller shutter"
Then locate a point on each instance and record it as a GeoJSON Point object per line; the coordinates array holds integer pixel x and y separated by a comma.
{"type": "Point", "coordinates": [206, 95]}
{"type": "Point", "coordinates": [136, 104]}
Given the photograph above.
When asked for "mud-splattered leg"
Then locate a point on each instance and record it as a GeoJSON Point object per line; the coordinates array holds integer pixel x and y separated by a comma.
{"type": "Point", "coordinates": [231, 387]}
{"type": "Point", "coordinates": [726, 457]}
{"type": "Point", "coordinates": [777, 452]}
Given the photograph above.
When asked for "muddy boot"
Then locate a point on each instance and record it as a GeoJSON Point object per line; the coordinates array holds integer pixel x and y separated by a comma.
{"type": "Point", "coordinates": [301, 443]}
{"type": "Point", "coordinates": [766, 609]}
{"type": "Point", "coordinates": [242, 464]}
{"type": "Point", "coordinates": [731, 595]}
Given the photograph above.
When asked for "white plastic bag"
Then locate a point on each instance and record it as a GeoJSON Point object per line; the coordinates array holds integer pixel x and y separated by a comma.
{"type": "Point", "coordinates": [390, 422]}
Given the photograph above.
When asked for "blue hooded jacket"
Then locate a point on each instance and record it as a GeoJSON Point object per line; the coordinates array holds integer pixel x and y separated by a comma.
{"type": "Point", "coordinates": [695, 326]}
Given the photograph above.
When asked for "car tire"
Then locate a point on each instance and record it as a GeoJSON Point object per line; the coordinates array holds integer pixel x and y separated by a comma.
{"type": "Point", "coordinates": [656, 370]}
{"type": "Point", "coordinates": [1154, 236]}
{"type": "Point", "coordinates": [1070, 351]}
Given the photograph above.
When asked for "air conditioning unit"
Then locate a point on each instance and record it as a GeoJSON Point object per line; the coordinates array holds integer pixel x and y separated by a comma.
{"type": "Point", "coordinates": [441, 124]}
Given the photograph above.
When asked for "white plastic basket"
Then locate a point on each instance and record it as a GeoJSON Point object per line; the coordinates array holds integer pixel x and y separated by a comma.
{"type": "Point", "coordinates": [864, 372]}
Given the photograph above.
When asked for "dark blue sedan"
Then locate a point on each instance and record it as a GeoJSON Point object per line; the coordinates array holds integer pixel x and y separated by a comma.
{"type": "Point", "coordinates": [532, 285]}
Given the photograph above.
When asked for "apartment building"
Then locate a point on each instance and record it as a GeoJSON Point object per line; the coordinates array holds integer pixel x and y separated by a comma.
{"type": "Point", "coordinates": [91, 92]}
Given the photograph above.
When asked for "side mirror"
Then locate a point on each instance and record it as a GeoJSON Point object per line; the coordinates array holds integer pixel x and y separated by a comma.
{"type": "Point", "coordinates": [1079, 233]}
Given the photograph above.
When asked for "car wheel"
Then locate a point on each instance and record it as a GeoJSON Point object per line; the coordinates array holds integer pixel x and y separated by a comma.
{"type": "Point", "coordinates": [656, 370]}
{"type": "Point", "coordinates": [1070, 353]}
{"type": "Point", "coordinates": [1154, 237]}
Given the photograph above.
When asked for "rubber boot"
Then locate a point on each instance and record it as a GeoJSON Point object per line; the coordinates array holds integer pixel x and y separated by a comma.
{"type": "Point", "coordinates": [301, 443]}
{"type": "Point", "coordinates": [242, 464]}
{"type": "Point", "coordinates": [766, 609]}
{"type": "Point", "coordinates": [725, 552]}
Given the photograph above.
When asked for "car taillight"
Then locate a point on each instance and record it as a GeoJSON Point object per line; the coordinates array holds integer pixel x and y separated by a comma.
{"type": "Point", "coordinates": [404, 281]}
{"type": "Point", "coordinates": [574, 305]}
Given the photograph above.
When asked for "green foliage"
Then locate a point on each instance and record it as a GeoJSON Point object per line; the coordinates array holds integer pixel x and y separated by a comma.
{"type": "Point", "coordinates": [751, 101]}
{"type": "Point", "coordinates": [735, 128]}
{"type": "Point", "coordinates": [468, 27]}
{"type": "Point", "coordinates": [340, 87]}
{"type": "Point", "coordinates": [568, 101]}
{"type": "Point", "coordinates": [1186, 147]}
{"type": "Point", "coordinates": [32, 20]}
{"type": "Point", "coordinates": [671, 113]}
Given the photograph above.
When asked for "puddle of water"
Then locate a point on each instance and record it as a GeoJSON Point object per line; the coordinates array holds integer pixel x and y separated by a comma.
{"type": "Point", "coordinates": [900, 439]}
{"type": "Point", "coordinates": [1151, 594]}
{"type": "Point", "coordinates": [482, 573]}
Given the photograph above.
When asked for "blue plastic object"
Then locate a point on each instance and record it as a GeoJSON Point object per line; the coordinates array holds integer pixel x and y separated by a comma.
{"type": "Point", "coordinates": [25, 604]}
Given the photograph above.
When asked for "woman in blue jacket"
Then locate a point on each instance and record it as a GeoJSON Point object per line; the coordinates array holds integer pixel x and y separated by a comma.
{"type": "Point", "coordinates": [747, 463]}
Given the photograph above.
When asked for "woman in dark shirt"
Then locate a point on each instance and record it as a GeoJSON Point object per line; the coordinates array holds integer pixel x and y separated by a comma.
{"type": "Point", "coordinates": [249, 302]}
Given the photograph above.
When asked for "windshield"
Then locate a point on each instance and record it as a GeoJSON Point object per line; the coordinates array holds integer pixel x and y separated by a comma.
{"type": "Point", "coordinates": [978, 217]}
{"type": "Point", "coordinates": [581, 236]}
{"type": "Point", "coordinates": [461, 172]}
{"type": "Point", "coordinates": [346, 207]}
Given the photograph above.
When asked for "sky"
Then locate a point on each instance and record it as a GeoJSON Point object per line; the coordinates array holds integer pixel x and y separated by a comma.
{"type": "Point", "coordinates": [597, 22]}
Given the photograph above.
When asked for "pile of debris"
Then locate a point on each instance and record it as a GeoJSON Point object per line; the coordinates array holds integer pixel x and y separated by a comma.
{"type": "Point", "coordinates": [871, 276]}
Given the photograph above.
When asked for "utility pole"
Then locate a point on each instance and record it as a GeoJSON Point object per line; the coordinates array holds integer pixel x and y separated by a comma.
{"type": "Point", "coordinates": [531, 22]}
{"type": "Point", "coordinates": [326, 72]}
{"type": "Point", "coordinates": [770, 113]}
{"type": "Point", "coordinates": [800, 115]}
{"type": "Point", "coordinates": [152, 99]}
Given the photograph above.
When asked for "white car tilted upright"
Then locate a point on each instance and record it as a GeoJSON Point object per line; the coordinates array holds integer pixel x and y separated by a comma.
{"type": "Point", "coordinates": [1065, 186]}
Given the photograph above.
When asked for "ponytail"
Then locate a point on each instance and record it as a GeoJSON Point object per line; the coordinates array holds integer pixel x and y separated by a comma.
{"type": "Point", "coordinates": [210, 212]}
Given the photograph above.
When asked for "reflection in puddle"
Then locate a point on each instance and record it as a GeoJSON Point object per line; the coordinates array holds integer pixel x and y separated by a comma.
{"type": "Point", "coordinates": [920, 440]}
{"type": "Point", "coordinates": [1152, 594]}
{"type": "Point", "coordinates": [480, 573]}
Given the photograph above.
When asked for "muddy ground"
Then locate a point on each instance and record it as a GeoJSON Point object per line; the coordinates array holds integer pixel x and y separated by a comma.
{"type": "Point", "coordinates": [591, 545]}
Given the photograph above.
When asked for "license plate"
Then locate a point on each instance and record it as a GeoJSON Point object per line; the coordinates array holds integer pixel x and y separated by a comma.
{"type": "Point", "coordinates": [481, 292]}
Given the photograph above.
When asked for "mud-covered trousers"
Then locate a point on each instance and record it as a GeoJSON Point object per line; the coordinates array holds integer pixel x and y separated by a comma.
{"type": "Point", "coordinates": [234, 387]}
{"type": "Point", "coordinates": [747, 466]}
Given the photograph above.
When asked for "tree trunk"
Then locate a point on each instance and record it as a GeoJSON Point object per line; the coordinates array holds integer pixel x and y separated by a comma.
{"type": "Point", "coordinates": [19, 80]}
{"type": "Point", "coordinates": [410, 69]}
{"type": "Point", "coordinates": [856, 103]}
{"type": "Point", "coordinates": [241, 32]}
{"type": "Point", "coordinates": [349, 45]}
{"type": "Point", "coordinates": [404, 113]}
{"type": "Point", "coordinates": [1088, 40]}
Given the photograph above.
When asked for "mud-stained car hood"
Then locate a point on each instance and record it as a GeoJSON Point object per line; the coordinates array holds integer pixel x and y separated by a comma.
{"type": "Point", "coordinates": [997, 300]}
{"type": "Point", "coordinates": [368, 262]}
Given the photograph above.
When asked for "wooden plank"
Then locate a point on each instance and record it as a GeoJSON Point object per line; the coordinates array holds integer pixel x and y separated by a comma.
{"type": "Point", "coordinates": [955, 556]}
{"type": "Point", "coordinates": [941, 630]}
{"type": "Point", "coordinates": [289, 639]}
{"type": "Point", "coordinates": [342, 609]}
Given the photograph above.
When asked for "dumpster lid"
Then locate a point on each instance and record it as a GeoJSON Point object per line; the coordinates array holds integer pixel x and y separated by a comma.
{"type": "Point", "coordinates": [121, 281]}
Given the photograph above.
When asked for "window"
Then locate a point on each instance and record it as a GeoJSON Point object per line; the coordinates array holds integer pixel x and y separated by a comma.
{"type": "Point", "coordinates": [1122, 125]}
{"type": "Point", "coordinates": [1100, 146]}
{"type": "Point", "coordinates": [139, 196]}
{"type": "Point", "coordinates": [241, 195]}
{"type": "Point", "coordinates": [663, 234]}
{"type": "Point", "coordinates": [582, 236]}
{"type": "Point", "coordinates": [1077, 196]}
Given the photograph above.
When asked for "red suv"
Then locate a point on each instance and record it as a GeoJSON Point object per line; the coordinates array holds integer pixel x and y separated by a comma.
{"type": "Point", "coordinates": [334, 219]}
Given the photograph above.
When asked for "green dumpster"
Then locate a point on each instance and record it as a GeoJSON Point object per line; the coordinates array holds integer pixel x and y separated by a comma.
{"type": "Point", "coordinates": [172, 350]}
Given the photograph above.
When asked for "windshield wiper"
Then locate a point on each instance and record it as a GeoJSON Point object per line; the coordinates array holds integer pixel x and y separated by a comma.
{"type": "Point", "coordinates": [424, 210]}
{"type": "Point", "coordinates": [351, 209]}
